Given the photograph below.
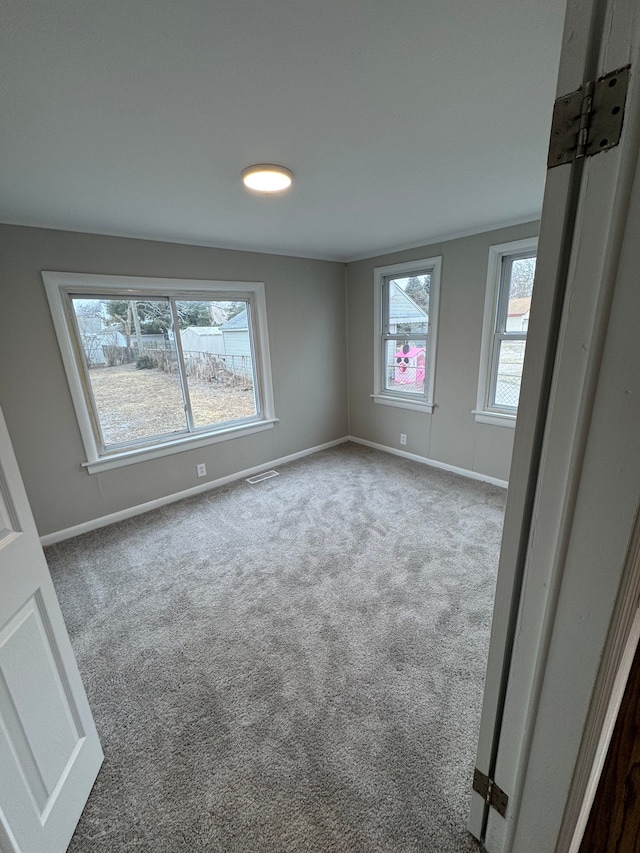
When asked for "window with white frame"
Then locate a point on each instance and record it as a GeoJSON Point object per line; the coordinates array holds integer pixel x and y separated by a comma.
{"type": "Point", "coordinates": [406, 321]}
{"type": "Point", "coordinates": [510, 279]}
{"type": "Point", "coordinates": [159, 365]}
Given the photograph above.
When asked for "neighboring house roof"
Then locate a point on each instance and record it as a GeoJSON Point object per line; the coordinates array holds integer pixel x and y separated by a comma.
{"type": "Point", "coordinates": [237, 323]}
{"type": "Point", "coordinates": [402, 308]}
{"type": "Point", "coordinates": [202, 331]}
{"type": "Point", "coordinates": [89, 325]}
{"type": "Point", "coordinates": [105, 337]}
{"type": "Point", "coordinates": [110, 334]}
{"type": "Point", "coordinates": [519, 306]}
{"type": "Point", "coordinates": [102, 332]}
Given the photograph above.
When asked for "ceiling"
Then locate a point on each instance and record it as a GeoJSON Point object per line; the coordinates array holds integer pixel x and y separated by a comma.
{"type": "Point", "coordinates": [402, 121]}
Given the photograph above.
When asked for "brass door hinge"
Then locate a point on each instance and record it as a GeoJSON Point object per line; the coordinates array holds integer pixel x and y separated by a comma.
{"type": "Point", "coordinates": [588, 120]}
{"type": "Point", "coordinates": [492, 794]}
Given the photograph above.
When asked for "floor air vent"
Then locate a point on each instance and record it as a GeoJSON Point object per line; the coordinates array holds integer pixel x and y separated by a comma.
{"type": "Point", "coordinates": [266, 475]}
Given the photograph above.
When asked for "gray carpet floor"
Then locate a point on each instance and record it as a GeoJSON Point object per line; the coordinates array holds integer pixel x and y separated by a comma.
{"type": "Point", "coordinates": [290, 667]}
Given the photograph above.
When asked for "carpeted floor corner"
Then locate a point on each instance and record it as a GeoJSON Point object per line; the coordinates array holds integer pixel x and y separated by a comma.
{"type": "Point", "coordinates": [291, 667]}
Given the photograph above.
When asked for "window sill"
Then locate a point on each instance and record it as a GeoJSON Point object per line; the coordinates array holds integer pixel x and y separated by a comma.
{"type": "Point", "coordinates": [403, 403]}
{"type": "Point", "coordinates": [495, 418]}
{"type": "Point", "coordinates": [191, 442]}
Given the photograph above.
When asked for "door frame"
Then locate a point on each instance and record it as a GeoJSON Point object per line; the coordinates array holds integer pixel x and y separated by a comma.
{"type": "Point", "coordinates": [557, 227]}
{"type": "Point", "coordinates": [582, 235]}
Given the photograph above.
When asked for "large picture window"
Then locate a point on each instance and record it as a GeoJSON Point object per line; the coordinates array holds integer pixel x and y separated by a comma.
{"type": "Point", "coordinates": [406, 310]}
{"type": "Point", "coordinates": [154, 365]}
{"type": "Point", "coordinates": [508, 303]}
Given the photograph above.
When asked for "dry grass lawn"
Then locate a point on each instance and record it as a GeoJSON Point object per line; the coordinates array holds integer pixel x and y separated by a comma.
{"type": "Point", "coordinates": [141, 403]}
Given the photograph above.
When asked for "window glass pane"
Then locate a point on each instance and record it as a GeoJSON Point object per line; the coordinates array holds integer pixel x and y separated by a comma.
{"type": "Point", "coordinates": [408, 304]}
{"type": "Point", "coordinates": [520, 290]}
{"type": "Point", "coordinates": [509, 374]}
{"type": "Point", "coordinates": [405, 362]}
{"type": "Point", "coordinates": [216, 344]}
{"type": "Point", "coordinates": [132, 367]}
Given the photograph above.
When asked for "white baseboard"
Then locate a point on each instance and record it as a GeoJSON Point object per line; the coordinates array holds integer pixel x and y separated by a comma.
{"type": "Point", "coordinates": [121, 515]}
{"type": "Point", "coordinates": [464, 472]}
{"type": "Point", "coordinates": [130, 512]}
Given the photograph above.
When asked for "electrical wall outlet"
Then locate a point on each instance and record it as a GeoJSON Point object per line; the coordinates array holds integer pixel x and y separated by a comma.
{"type": "Point", "coordinates": [201, 469]}
{"type": "Point", "coordinates": [403, 438]}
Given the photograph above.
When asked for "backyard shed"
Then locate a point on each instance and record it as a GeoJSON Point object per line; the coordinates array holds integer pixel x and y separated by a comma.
{"type": "Point", "coordinates": [202, 339]}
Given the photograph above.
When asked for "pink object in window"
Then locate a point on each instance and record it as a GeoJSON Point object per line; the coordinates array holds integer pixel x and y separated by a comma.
{"type": "Point", "coordinates": [409, 365]}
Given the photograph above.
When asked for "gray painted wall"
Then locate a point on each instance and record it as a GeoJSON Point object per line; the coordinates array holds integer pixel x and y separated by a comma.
{"type": "Point", "coordinates": [308, 368]}
{"type": "Point", "coordinates": [308, 363]}
{"type": "Point", "coordinates": [451, 434]}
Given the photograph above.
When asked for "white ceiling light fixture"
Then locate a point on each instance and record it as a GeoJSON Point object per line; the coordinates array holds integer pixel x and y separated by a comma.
{"type": "Point", "coordinates": [267, 178]}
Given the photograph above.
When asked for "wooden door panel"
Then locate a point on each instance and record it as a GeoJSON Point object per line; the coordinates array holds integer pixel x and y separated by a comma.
{"type": "Point", "coordinates": [614, 821]}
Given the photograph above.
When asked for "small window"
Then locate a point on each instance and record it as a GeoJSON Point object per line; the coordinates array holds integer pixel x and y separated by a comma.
{"type": "Point", "coordinates": [512, 269]}
{"type": "Point", "coordinates": [156, 365]}
{"type": "Point", "coordinates": [406, 307]}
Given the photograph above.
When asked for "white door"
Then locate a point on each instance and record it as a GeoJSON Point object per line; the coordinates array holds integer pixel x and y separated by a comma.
{"type": "Point", "coordinates": [575, 480]}
{"type": "Point", "coordinates": [49, 748]}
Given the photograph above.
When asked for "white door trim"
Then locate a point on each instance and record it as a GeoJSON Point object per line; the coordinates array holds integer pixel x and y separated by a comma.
{"type": "Point", "coordinates": [555, 238]}
{"type": "Point", "coordinates": [545, 549]}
